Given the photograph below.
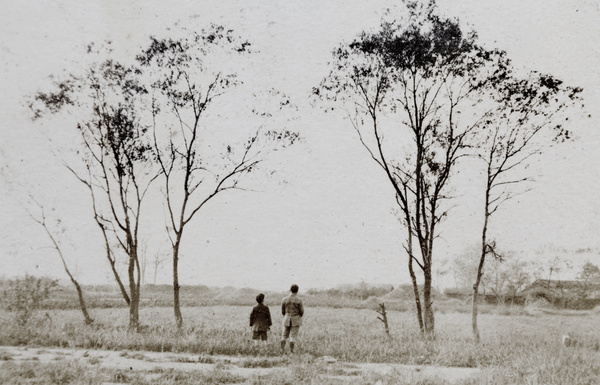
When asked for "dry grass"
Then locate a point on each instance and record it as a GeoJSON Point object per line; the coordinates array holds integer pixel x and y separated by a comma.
{"type": "Point", "coordinates": [516, 348]}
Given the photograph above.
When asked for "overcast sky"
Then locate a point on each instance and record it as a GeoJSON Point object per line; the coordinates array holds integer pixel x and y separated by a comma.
{"type": "Point", "coordinates": [325, 218]}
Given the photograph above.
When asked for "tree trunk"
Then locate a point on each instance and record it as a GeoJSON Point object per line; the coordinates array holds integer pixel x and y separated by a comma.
{"type": "Point", "coordinates": [155, 271]}
{"type": "Point", "coordinates": [476, 335]}
{"type": "Point", "coordinates": [134, 317]}
{"type": "Point", "coordinates": [429, 319]}
{"type": "Point", "coordinates": [122, 288]}
{"type": "Point", "coordinates": [134, 312]}
{"type": "Point", "coordinates": [413, 278]}
{"type": "Point", "coordinates": [176, 302]}
{"type": "Point", "coordinates": [475, 309]}
{"type": "Point", "coordinates": [112, 266]}
{"type": "Point", "coordinates": [384, 318]}
{"type": "Point", "coordinates": [87, 319]}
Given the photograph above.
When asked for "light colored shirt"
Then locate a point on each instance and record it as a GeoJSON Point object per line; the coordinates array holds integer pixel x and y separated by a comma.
{"type": "Point", "coordinates": [292, 310]}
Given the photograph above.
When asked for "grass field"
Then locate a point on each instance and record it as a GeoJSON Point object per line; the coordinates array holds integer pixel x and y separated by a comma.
{"type": "Point", "coordinates": [517, 346]}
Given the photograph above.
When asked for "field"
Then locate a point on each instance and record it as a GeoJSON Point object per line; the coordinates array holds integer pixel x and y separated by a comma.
{"type": "Point", "coordinates": [519, 346]}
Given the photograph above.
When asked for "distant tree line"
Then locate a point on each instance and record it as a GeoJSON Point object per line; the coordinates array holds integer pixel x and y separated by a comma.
{"type": "Point", "coordinates": [360, 291]}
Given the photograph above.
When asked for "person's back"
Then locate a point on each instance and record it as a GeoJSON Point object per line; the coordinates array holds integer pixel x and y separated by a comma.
{"type": "Point", "coordinates": [292, 308]}
{"type": "Point", "coordinates": [293, 311]}
{"type": "Point", "coordinates": [260, 320]}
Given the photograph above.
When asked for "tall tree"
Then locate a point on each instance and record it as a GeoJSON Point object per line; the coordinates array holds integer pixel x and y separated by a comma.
{"type": "Point", "coordinates": [115, 155]}
{"type": "Point", "coordinates": [527, 116]}
{"type": "Point", "coordinates": [189, 74]}
{"type": "Point", "coordinates": [413, 89]}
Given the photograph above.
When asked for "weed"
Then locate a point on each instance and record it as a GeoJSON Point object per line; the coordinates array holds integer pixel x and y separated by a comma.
{"type": "Point", "coordinates": [93, 360]}
{"type": "Point", "coordinates": [206, 360]}
{"type": "Point", "coordinates": [261, 362]}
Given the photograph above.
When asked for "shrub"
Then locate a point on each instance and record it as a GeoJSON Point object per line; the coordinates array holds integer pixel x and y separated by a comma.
{"type": "Point", "coordinates": [23, 297]}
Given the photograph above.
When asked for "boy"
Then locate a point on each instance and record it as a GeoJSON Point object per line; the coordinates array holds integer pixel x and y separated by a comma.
{"type": "Point", "coordinates": [260, 321]}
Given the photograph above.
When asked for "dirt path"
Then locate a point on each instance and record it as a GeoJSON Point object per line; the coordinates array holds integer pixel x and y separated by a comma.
{"type": "Point", "coordinates": [245, 366]}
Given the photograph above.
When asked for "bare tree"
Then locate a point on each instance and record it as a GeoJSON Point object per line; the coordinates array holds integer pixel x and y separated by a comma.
{"type": "Point", "coordinates": [37, 213]}
{"type": "Point", "coordinates": [185, 88]}
{"type": "Point", "coordinates": [159, 260]}
{"type": "Point", "coordinates": [41, 220]}
{"type": "Point", "coordinates": [414, 95]}
{"type": "Point", "coordinates": [516, 131]}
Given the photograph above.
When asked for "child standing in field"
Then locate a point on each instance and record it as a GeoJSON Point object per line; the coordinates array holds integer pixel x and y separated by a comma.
{"type": "Point", "coordinates": [260, 321]}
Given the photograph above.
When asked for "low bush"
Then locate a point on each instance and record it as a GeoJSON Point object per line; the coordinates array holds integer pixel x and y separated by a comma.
{"type": "Point", "coordinates": [23, 297]}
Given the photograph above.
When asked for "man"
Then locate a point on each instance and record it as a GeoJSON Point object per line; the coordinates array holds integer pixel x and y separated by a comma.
{"type": "Point", "coordinates": [260, 321]}
{"type": "Point", "coordinates": [292, 310]}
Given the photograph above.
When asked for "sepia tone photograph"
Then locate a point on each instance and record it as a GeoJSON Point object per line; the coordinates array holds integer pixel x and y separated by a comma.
{"type": "Point", "coordinates": [316, 192]}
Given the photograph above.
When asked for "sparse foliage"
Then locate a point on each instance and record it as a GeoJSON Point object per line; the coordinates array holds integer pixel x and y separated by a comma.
{"type": "Point", "coordinates": [186, 87]}
{"type": "Point", "coordinates": [42, 221]}
{"type": "Point", "coordinates": [149, 119]}
{"type": "Point", "coordinates": [524, 116]}
{"type": "Point", "coordinates": [116, 159]}
{"type": "Point", "coordinates": [53, 226]}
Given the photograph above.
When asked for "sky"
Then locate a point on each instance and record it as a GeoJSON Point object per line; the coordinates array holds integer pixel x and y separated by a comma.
{"type": "Point", "coordinates": [325, 217]}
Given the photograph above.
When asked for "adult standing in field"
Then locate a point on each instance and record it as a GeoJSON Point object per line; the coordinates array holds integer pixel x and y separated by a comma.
{"type": "Point", "coordinates": [292, 311]}
{"type": "Point", "coordinates": [260, 321]}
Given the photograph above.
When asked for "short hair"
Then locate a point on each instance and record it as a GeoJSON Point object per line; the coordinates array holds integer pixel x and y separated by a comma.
{"type": "Point", "coordinates": [260, 298]}
{"type": "Point", "coordinates": [294, 288]}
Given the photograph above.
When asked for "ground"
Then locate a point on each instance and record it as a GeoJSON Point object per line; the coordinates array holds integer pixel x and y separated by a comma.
{"type": "Point", "coordinates": [150, 363]}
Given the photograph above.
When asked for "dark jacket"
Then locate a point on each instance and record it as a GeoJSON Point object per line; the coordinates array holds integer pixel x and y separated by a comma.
{"type": "Point", "coordinates": [260, 318]}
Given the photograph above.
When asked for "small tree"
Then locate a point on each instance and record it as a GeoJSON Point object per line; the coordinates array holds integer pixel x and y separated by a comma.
{"type": "Point", "coordinates": [518, 276]}
{"type": "Point", "coordinates": [159, 260]}
{"type": "Point", "coordinates": [383, 318]}
{"type": "Point", "coordinates": [589, 275]}
{"type": "Point", "coordinates": [525, 110]}
{"type": "Point", "coordinates": [41, 220]}
{"type": "Point", "coordinates": [506, 277]}
{"type": "Point", "coordinates": [53, 230]}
